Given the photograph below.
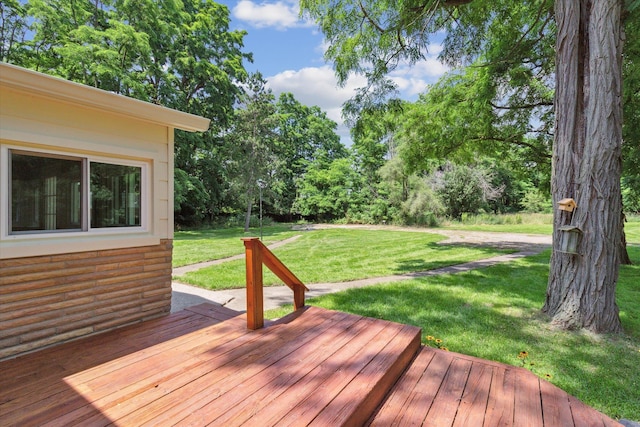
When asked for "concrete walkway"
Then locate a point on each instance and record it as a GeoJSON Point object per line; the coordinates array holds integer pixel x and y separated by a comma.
{"type": "Point", "coordinates": [274, 296]}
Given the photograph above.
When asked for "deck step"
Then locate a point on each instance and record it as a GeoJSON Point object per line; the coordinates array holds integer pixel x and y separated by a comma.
{"type": "Point", "coordinates": [337, 373]}
{"type": "Point", "coordinates": [445, 388]}
{"type": "Point", "coordinates": [203, 367]}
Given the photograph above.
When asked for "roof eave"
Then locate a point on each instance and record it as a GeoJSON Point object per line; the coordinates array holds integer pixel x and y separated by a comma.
{"type": "Point", "coordinates": [54, 87]}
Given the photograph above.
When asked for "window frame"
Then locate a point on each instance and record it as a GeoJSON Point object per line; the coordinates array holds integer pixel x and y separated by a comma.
{"type": "Point", "coordinates": [143, 193]}
{"type": "Point", "coordinates": [86, 159]}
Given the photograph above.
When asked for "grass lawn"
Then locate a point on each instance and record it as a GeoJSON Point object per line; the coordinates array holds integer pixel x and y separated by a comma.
{"type": "Point", "coordinates": [337, 255]}
{"type": "Point", "coordinates": [632, 230]}
{"type": "Point", "coordinates": [494, 313]}
{"type": "Point", "coordinates": [190, 247]}
{"type": "Point", "coordinates": [529, 224]}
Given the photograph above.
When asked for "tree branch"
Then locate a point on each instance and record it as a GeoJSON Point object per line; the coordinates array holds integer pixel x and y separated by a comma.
{"type": "Point", "coordinates": [371, 21]}
{"type": "Point", "coordinates": [522, 107]}
{"type": "Point", "coordinates": [514, 141]}
{"type": "Point", "coordinates": [453, 3]}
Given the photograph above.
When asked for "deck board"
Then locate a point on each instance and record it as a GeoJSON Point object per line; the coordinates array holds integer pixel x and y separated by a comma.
{"type": "Point", "coordinates": [473, 404]}
{"type": "Point", "coordinates": [202, 366]}
{"type": "Point", "coordinates": [493, 394]}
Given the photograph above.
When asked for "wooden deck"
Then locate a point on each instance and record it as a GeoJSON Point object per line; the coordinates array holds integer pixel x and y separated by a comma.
{"type": "Point", "coordinates": [202, 366]}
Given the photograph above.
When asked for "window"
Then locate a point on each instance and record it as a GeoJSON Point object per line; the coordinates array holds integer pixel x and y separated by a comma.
{"type": "Point", "coordinates": [115, 195]}
{"type": "Point", "coordinates": [51, 193]}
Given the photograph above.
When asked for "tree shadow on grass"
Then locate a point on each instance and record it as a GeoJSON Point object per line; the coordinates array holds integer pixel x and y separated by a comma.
{"type": "Point", "coordinates": [448, 255]}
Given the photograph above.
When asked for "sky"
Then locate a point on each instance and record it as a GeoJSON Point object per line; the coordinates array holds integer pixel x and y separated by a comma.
{"type": "Point", "coordinates": [289, 53]}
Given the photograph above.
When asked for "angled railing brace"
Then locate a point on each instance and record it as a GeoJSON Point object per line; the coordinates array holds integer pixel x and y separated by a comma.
{"type": "Point", "coordinates": [257, 254]}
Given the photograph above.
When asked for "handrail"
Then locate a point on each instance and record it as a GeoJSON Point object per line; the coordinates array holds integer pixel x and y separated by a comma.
{"type": "Point", "coordinates": [257, 254]}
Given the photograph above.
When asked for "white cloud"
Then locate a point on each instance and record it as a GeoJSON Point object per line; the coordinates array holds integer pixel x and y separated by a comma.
{"type": "Point", "coordinates": [280, 15]}
{"type": "Point", "coordinates": [434, 49]}
{"type": "Point", "coordinates": [413, 79]}
{"type": "Point", "coordinates": [318, 86]}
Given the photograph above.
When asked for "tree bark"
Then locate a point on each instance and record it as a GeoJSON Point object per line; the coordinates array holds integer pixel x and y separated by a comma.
{"type": "Point", "coordinates": [587, 164]}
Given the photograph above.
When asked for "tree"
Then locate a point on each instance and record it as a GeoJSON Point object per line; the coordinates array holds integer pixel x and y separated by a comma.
{"type": "Point", "coordinates": [305, 134]}
{"type": "Point", "coordinates": [464, 189]}
{"type": "Point", "coordinates": [252, 142]}
{"type": "Point", "coordinates": [373, 37]}
{"type": "Point", "coordinates": [587, 163]}
{"type": "Point", "coordinates": [326, 190]}
{"type": "Point", "coordinates": [13, 28]}
{"type": "Point", "coordinates": [459, 118]}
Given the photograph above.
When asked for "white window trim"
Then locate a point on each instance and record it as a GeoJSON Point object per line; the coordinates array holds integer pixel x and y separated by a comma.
{"type": "Point", "coordinates": [5, 190]}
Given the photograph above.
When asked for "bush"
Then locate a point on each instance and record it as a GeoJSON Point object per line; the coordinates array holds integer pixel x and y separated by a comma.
{"type": "Point", "coordinates": [534, 201]}
{"type": "Point", "coordinates": [464, 189]}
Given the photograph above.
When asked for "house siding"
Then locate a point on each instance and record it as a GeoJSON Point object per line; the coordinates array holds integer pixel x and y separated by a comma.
{"type": "Point", "coordinates": [50, 299]}
{"type": "Point", "coordinates": [49, 125]}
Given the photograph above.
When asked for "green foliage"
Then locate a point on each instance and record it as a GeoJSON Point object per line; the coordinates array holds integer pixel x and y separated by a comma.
{"type": "Point", "coordinates": [374, 37]}
{"type": "Point", "coordinates": [459, 119]}
{"type": "Point", "coordinates": [460, 191]}
{"type": "Point", "coordinates": [631, 105]}
{"type": "Point", "coordinates": [533, 201]}
{"type": "Point", "coordinates": [189, 195]}
{"type": "Point", "coordinates": [498, 107]}
{"type": "Point", "coordinates": [494, 108]}
{"type": "Point", "coordinates": [252, 143]}
{"type": "Point", "coordinates": [13, 31]}
{"type": "Point", "coordinates": [179, 54]}
{"type": "Point", "coordinates": [423, 205]}
{"type": "Point", "coordinates": [305, 135]}
{"type": "Point", "coordinates": [325, 191]}
{"type": "Point", "coordinates": [463, 189]}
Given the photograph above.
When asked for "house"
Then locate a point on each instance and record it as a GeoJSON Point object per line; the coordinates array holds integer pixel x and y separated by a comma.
{"type": "Point", "coordinates": [86, 209]}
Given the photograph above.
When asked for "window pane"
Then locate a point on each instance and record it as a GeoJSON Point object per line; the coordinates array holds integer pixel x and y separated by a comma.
{"type": "Point", "coordinates": [115, 195]}
{"type": "Point", "coordinates": [45, 193]}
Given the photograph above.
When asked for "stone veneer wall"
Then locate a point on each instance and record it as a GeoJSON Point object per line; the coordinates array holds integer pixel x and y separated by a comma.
{"type": "Point", "coordinates": [51, 299]}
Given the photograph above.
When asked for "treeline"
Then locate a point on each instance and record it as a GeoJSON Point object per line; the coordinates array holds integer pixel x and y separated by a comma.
{"type": "Point", "coordinates": [478, 140]}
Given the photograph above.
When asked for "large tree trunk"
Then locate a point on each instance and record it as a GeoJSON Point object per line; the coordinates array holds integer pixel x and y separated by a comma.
{"type": "Point", "coordinates": [587, 164]}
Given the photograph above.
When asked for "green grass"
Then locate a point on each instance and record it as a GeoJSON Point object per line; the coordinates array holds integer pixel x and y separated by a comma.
{"type": "Point", "coordinates": [337, 255]}
{"type": "Point", "coordinates": [632, 229]}
{"type": "Point", "coordinates": [503, 228]}
{"type": "Point", "coordinates": [190, 247]}
{"type": "Point", "coordinates": [505, 223]}
{"type": "Point", "coordinates": [528, 224]}
{"type": "Point", "coordinates": [494, 313]}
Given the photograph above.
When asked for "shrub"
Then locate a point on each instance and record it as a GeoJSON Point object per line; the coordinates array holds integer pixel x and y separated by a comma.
{"type": "Point", "coordinates": [464, 189]}
{"type": "Point", "coordinates": [534, 201]}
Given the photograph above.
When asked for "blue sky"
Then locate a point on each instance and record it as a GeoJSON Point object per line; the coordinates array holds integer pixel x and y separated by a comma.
{"type": "Point", "coordinates": [289, 54]}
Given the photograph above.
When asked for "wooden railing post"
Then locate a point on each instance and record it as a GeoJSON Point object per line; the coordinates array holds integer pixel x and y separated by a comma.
{"type": "Point", "coordinates": [255, 309]}
{"type": "Point", "coordinates": [257, 254]}
{"type": "Point", "coordinates": [298, 297]}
